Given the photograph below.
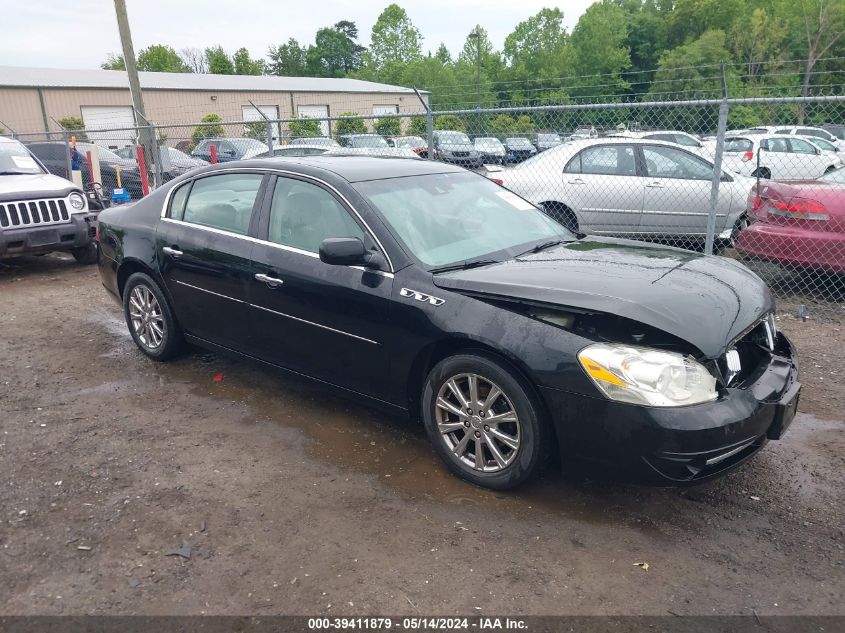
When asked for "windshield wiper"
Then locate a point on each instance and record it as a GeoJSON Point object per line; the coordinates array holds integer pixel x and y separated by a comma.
{"type": "Point", "coordinates": [464, 266]}
{"type": "Point", "coordinates": [541, 247]}
{"type": "Point", "coordinates": [16, 173]}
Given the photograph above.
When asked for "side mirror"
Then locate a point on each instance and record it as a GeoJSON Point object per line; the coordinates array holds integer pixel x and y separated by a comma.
{"type": "Point", "coordinates": [348, 251]}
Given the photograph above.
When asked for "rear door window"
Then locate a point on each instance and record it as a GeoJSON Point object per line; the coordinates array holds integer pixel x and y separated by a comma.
{"type": "Point", "coordinates": [609, 160]}
{"type": "Point", "coordinates": [223, 202]}
{"type": "Point", "coordinates": [800, 146]}
{"type": "Point", "coordinates": [668, 162]}
{"type": "Point", "coordinates": [738, 145]}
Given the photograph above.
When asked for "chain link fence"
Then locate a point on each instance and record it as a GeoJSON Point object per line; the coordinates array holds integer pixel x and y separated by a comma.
{"type": "Point", "coordinates": [691, 174]}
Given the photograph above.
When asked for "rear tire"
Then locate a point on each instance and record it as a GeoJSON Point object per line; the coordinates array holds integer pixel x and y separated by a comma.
{"type": "Point", "coordinates": [500, 454]}
{"type": "Point", "coordinates": [763, 172]}
{"type": "Point", "coordinates": [150, 319]}
{"type": "Point", "coordinates": [85, 254]}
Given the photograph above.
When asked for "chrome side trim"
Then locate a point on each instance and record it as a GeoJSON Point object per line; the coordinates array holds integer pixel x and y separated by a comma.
{"type": "Point", "coordinates": [325, 327]}
{"type": "Point", "coordinates": [730, 453]}
{"type": "Point", "coordinates": [271, 170]}
{"type": "Point", "coordinates": [255, 240]}
{"type": "Point", "coordinates": [211, 292]}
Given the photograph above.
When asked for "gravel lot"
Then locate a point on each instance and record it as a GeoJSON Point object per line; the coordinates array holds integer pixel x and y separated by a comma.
{"type": "Point", "coordinates": [290, 500]}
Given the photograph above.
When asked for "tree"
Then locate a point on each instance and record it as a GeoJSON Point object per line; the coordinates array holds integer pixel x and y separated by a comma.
{"type": "Point", "coordinates": [256, 130]}
{"type": "Point", "coordinates": [395, 42]}
{"type": "Point", "coordinates": [160, 58]}
{"type": "Point", "coordinates": [194, 59]}
{"type": "Point", "coordinates": [305, 127]}
{"type": "Point", "coordinates": [331, 54]}
{"type": "Point", "coordinates": [353, 125]}
{"type": "Point", "coordinates": [600, 51]}
{"type": "Point", "coordinates": [213, 128]}
{"type": "Point", "coordinates": [418, 126]}
{"type": "Point", "coordinates": [219, 62]}
{"type": "Point", "coordinates": [757, 41]}
{"type": "Point", "coordinates": [75, 126]}
{"type": "Point", "coordinates": [287, 60]}
{"type": "Point", "coordinates": [388, 127]}
{"type": "Point", "coordinates": [243, 64]}
{"type": "Point", "coordinates": [442, 55]}
{"type": "Point", "coordinates": [350, 30]}
{"type": "Point", "coordinates": [502, 125]}
{"type": "Point", "coordinates": [478, 64]}
{"type": "Point", "coordinates": [449, 122]}
{"type": "Point", "coordinates": [113, 62]}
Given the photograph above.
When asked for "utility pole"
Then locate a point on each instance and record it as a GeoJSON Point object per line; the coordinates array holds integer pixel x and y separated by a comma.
{"type": "Point", "coordinates": [476, 35]}
{"type": "Point", "coordinates": [134, 82]}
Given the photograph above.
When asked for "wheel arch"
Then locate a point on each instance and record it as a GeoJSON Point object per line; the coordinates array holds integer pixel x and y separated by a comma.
{"type": "Point", "coordinates": [130, 266]}
{"type": "Point", "coordinates": [562, 208]}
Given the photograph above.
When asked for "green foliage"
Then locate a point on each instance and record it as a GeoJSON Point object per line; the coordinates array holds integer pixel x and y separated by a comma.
{"type": "Point", "coordinates": [350, 126]}
{"type": "Point", "coordinates": [331, 55]}
{"type": "Point", "coordinates": [395, 43]}
{"type": "Point", "coordinates": [600, 50]}
{"type": "Point", "coordinates": [287, 60]}
{"type": "Point", "coordinates": [388, 127]}
{"type": "Point", "coordinates": [449, 122]}
{"type": "Point", "coordinates": [219, 62]}
{"type": "Point", "coordinates": [418, 126]}
{"type": "Point", "coordinates": [256, 130]}
{"type": "Point", "coordinates": [244, 64]}
{"type": "Point", "coordinates": [208, 131]}
{"type": "Point", "coordinates": [305, 127]}
{"type": "Point", "coordinates": [113, 62]}
{"type": "Point", "coordinates": [75, 126]}
{"type": "Point", "coordinates": [502, 124]}
{"type": "Point", "coordinates": [160, 58]}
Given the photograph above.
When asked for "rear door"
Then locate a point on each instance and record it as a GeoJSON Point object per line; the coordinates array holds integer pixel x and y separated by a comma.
{"type": "Point", "coordinates": [806, 157]}
{"type": "Point", "coordinates": [604, 186]}
{"type": "Point", "coordinates": [328, 322]}
{"type": "Point", "coordinates": [677, 193]}
{"type": "Point", "coordinates": [204, 245]}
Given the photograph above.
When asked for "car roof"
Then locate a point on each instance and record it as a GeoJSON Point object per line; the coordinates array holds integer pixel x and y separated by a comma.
{"type": "Point", "coordinates": [355, 168]}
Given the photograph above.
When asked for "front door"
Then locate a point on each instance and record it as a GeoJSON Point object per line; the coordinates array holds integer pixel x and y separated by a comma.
{"type": "Point", "coordinates": [604, 187]}
{"type": "Point", "coordinates": [328, 322]}
{"type": "Point", "coordinates": [204, 248]}
{"type": "Point", "coordinates": [677, 193]}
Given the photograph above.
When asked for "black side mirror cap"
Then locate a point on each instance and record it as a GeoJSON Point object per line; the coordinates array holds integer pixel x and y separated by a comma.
{"type": "Point", "coordinates": [343, 251]}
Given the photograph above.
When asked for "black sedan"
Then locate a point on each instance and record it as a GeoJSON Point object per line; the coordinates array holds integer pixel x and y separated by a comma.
{"type": "Point", "coordinates": [427, 289]}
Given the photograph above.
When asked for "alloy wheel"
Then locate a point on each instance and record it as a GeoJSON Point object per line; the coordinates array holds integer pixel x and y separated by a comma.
{"type": "Point", "coordinates": [146, 316]}
{"type": "Point", "coordinates": [477, 422]}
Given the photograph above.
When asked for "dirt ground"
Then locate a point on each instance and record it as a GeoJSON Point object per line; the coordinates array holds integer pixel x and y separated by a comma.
{"type": "Point", "coordinates": [290, 500]}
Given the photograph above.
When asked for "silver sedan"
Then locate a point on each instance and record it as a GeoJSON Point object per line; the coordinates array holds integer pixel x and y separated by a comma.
{"type": "Point", "coordinates": [630, 187]}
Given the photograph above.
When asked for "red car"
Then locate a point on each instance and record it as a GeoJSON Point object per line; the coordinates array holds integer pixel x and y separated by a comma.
{"type": "Point", "coordinates": [800, 223]}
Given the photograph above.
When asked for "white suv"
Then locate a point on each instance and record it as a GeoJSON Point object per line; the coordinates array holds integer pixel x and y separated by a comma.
{"type": "Point", "coordinates": [40, 212]}
{"type": "Point", "coordinates": [777, 157]}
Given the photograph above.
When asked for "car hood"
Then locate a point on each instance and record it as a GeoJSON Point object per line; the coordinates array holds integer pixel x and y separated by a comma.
{"type": "Point", "coordinates": [705, 300]}
{"type": "Point", "coordinates": [25, 185]}
{"type": "Point", "coordinates": [456, 147]}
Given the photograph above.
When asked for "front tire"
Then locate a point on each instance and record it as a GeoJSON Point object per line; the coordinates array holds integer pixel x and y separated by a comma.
{"type": "Point", "coordinates": [484, 423]}
{"type": "Point", "coordinates": [150, 319]}
{"type": "Point", "coordinates": [85, 254]}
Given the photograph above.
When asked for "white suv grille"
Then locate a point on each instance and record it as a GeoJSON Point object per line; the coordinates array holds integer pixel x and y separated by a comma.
{"type": "Point", "coordinates": [28, 213]}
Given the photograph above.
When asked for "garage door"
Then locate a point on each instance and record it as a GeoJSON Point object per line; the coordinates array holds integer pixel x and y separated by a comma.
{"type": "Point", "coordinates": [251, 114]}
{"type": "Point", "coordinates": [315, 112]}
{"type": "Point", "coordinates": [384, 109]}
{"type": "Point", "coordinates": [106, 125]}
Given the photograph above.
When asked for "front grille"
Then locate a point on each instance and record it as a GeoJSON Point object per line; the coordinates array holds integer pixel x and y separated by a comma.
{"type": "Point", "coordinates": [461, 154]}
{"type": "Point", "coordinates": [28, 213]}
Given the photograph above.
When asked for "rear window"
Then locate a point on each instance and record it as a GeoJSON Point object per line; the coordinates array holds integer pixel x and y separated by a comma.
{"type": "Point", "coordinates": [738, 145]}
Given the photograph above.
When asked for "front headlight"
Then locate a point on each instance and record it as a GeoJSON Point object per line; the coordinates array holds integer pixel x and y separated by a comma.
{"type": "Point", "coordinates": [76, 201]}
{"type": "Point", "coordinates": [652, 377]}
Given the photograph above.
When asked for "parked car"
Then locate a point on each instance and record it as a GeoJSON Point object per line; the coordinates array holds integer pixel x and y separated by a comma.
{"type": "Point", "coordinates": [39, 212]}
{"type": "Point", "coordinates": [229, 149]}
{"type": "Point", "coordinates": [629, 187]}
{"type": "Point", "coordinates": [371, 141]}
{"type": "Point", "coordinates": [456, 148]}
{"type": "Point", "coordinates": [491, 149]}
{"type": "Point", "coordinates": [518, 149]}
{"type": "Point", "coordinates": [297, 150]}
{"type": "Point", "coordinates": [325, 141]}
{"type": "Point", "coordinates": [672, 136]}
{"type": "Point", "coordinates": [430, 291]}
{"type": "Point", "coordinates": [54, 156]}
{"type": "Point", "coordinates": [388, 152]}
{"type": "Point", "coordinates": [776, 157]}
{"type": "Point", "coordinates": [416, 143]}
{"type": "Point", "coordinates": [825, 146]}
{"type": "Point", "coordinates": [546, 140]}
{"type": "Point", "coordinates": [837, 129]}
{"type": "Point", "coordinates": [799, 224]}
{"type": "Point", "coordinates": [811, 131]}
{"type": "Point", "coordinates": [180, 162]}
{"type": "Point", "coordinates": [584, 131]}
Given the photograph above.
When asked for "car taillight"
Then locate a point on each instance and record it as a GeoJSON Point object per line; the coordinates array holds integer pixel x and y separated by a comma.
{"type": "Point", "coordinates": [747, 156]}
{"type": "Point", "coordinates": [799, 209]}
{"type": "Point", "coordinates": [498, 181]}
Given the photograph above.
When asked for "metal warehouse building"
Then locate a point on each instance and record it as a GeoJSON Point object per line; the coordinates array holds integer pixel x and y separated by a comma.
{"type": "Point", "coordinates": [34, 99]}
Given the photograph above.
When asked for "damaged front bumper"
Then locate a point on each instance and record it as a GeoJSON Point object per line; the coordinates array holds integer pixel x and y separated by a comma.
{"type": "Point", "coordinates": [683, 445]}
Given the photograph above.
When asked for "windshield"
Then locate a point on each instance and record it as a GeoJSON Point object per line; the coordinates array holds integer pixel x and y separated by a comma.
{"type": "Point", "coordinates": [410, 141]}
{"type": "Point", "coordinates": [16, 159]}
{"type": "Point", "coordinates": [445, 219]}
{"type": "Point", "coordinates": [837, 175]}
{"type": "Point", "coordinates": [318, 140]}
{"type": "Point", "coordinates": [518, 142]}
{"type": "Point", "coordinates": [454, 138]}
{"type": "Point", "coordinates": [825, 145]}
{"type": "Point", "coordinates": [545, 138]}
{"type": "Point", "coordinates": [367, 141]}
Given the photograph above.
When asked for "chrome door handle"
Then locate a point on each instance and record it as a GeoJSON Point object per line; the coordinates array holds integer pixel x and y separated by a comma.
{"type": "Point", "coordinates": [656, 185]}
{"type": "Point", "coordinates": [273, 282]}
{"type": "Point", "coordinates": [575, 181]}
{"type": "Point", "coordinates": [167, 250]}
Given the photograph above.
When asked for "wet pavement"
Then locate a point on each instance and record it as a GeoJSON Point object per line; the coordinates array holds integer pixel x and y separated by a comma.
{"type": "Point", "coordinates": [293, 500]}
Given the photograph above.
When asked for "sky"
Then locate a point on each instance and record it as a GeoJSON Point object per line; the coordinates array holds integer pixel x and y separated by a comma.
{"type": "Point", "coordinates": [82, 33]}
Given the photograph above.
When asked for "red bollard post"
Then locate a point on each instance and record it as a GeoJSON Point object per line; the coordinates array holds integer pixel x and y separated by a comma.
{"type": "Point", "coordinates": [142, 168]}
{"type": "Point", "coordinates": [213, 151]}
{"type": "Point", "coordinates": [90, 157]}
